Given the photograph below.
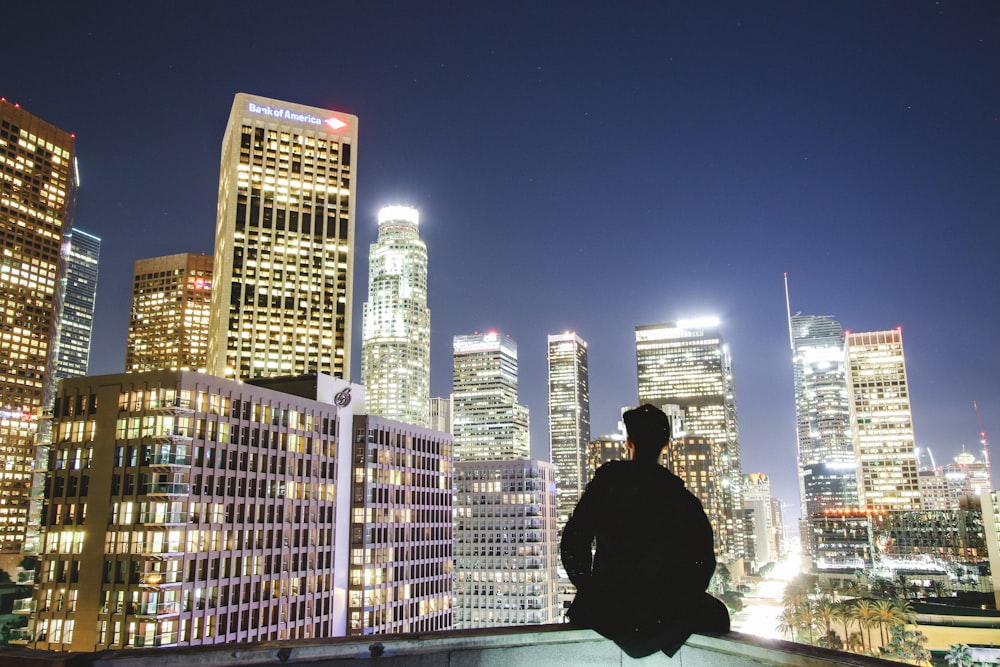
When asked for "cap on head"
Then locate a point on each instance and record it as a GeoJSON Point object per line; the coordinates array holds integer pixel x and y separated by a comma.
{"type": "Point", "coordinates": [647, 426]}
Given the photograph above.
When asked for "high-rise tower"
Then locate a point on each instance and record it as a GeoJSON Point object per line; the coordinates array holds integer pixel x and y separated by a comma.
{"type": "Point", "coordinates": [569, 419]}
{"type": "Point", "coordinates": [171, 301]}
{"type": "Point", "coordinates": [396, 331]}
{"type": "Point", "coordinates": [881, 421]}
{"type": "Point", "coordinates": [82, 252]}
{"type": "Point", "coordinates": [827, 470]}
{"type": "Point", "coordinates": [687, 364]}
{"type": "Point", "coordinates": [284, 241]}
{"type": "Point", "coordinates": [38, 182]}
{"type": "Point", "coordinates": [488, 422]}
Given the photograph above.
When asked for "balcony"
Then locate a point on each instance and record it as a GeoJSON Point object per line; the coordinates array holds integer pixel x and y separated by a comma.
{"type": "Point", "coordinates": [24, 606]}
{"type": "Point", "coordinates": [174, 407]}
{"type": "Point", "coordinates": [169, 460]}
{"type": "Point", "coordinates": [174, 436]}
{"type": "Point", "coordinates": [167, 489]}
{"type": "Point", "coordinates": [157, 609]}
{"type": "Point", "coordinates": [158, 580]}
{"type": "Point", "coordinates": [25, 577]}
{"type": "Point", "coordinates": [527, 646]}
{"type": "Point", "coordinates": [20, 636]}
{"type": "Point", "coordinates": [154, 519]}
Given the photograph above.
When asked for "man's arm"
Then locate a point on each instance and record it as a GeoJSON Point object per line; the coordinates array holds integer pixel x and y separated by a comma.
{"type": "Point", "coordinates": [578, 539]}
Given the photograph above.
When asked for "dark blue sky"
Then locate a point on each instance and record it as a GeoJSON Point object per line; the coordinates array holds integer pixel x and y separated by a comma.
{"type": "Point", "coordinates": [585, 166]}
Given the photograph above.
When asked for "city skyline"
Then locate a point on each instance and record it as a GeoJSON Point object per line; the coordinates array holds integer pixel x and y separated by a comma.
{"type": "Point", "coordinates": [825, 141]}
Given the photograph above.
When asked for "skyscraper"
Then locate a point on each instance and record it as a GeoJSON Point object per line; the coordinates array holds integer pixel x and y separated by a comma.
{"type": "Point", "coordinates": [440, 414]}
{"type": "Point", "coordinates": [488, 422]}
{"type": "Point", "coordinates": [38, 182]}
{"type": "Point", "coordinates": [82, 252]}
{"type": "Point", "coordinates": [827, 469]}
{"type": "Point", "coordinates": [284, 241]}
{"type": "Point", "coordinates": [396, 330]}
{"type": "Point", "coordinates": [757, 502]}
{"type": "Point", "coordinates": [687, 364]}
{"type": "Point", "coordinates": [171, 302]}
{"type": "Point", "coordinates": [569, 419]}
{"type": "Point", "coordinates": [881, 422]}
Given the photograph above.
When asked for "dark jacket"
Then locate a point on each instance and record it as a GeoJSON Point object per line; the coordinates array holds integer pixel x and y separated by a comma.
{"type": "Point", "coordinates": [655, 553]}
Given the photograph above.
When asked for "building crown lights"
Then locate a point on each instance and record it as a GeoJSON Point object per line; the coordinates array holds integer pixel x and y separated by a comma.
{"type": "Point", "coordinates": [398, 214]}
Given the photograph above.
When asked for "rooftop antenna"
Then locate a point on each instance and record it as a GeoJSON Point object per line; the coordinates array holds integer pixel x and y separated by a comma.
{"type": "Point", "coordinates": [788, 309]}
{"type": "Point", "coordinates": [982, 439]}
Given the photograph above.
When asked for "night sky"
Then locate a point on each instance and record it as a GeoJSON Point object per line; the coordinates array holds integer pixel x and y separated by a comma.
{"type": "Point", "coordinates": [586, 166]}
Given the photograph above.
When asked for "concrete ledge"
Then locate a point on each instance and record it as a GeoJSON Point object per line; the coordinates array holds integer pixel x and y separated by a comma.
{"type": "Point", "coordinates": [528, 646]}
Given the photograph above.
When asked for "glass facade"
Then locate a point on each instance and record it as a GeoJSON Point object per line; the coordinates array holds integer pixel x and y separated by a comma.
{"type": "Point", "coordinates": [827, 469]}
{"type": "Point", "coordinates": [569, 419]}
{"type": "Point", "coordinates": [284, 243]}
{"type": "Point", "coordinates": [396, 329]}
{"type": "Point", "coordinates": [82, 252]}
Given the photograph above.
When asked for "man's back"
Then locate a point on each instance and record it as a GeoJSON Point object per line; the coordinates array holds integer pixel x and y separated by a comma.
{"type": "Point", "coordinates": [654, 548]}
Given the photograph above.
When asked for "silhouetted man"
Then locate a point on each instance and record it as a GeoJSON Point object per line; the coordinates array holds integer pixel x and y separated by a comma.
{"type": "Point", "coordinates": [645, 585]}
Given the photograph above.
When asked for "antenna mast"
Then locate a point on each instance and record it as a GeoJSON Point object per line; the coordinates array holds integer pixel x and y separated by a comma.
{"type": "Point", "coordinates": [983, 440]}
{"type": "Point", "coordinates": [788, 309]}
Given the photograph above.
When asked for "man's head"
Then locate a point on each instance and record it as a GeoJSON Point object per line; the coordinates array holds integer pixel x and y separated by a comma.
{"type": "Point", "coordinates": [648, 431]}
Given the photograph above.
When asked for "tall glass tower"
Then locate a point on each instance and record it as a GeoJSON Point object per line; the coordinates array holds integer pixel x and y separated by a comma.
{"type": "Point", "coordinates": [38, 186]}
{"type": "Point", "coordinates": [881, 421]}
{"type": "Point", "coordinates": [396, 330]}
{"type": "Point", "coordinates": [687, 364]}
{"type": "Point", "coordinates": [569, 419]}
{"type": "Point", "coordinates": [284, 241]}
{"type": "Point", "coordinates": [488, 422]}
{"type": "Point", "coordinates": [827, 470]}
{"type": "Point", "coordinates": [82, 252]}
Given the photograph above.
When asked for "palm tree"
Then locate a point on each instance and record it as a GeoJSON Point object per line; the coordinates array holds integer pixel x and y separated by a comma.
{"type": "Point", "coordinates": [786, 623]}
{"type": "Point", "coordinates": [842, 613]}
{"type": "Point", "coordinates": [958, 655]}
{"type": "Point", "coordinates": [805, 617]}
{"type": "Point", "coordinates": [885, 614]}
{"type": "Point", "coordinates": [864, 614]}
{"type": "Point", "coordinates": [825, 610]}
{"type": "Point", "coordinates": [905, 611]}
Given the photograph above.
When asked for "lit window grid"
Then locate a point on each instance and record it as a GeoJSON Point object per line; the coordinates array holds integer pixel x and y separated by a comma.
{"type": "Point", "coordinates": [267, 582]}
{"type": "Point", "coordinates": [882, 424]}
{"type": "Point", "coordinates": [569, 419]}
{"type": "Point", "coordinates": [395, 350]}
{"type": "Point", "coordinates": [283, 296]}
{"type": "Point", "coordinates": [171, 303]}
{"type": "Point", "coordinates": [506, 545]}
{"type": "Point", "coordinates": [37, 188]}
{"type": "Point", "coordinates": [401, 531]}
{"type": "Point", "coordinates": [692, 368]}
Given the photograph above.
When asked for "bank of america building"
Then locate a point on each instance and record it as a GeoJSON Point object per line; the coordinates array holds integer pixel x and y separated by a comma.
{"type": "Point", "coordinates": [284, 243]}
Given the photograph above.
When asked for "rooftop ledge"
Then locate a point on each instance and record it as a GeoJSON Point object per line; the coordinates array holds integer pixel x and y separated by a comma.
{"type": "Point", "coordinates": [500, 647]}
